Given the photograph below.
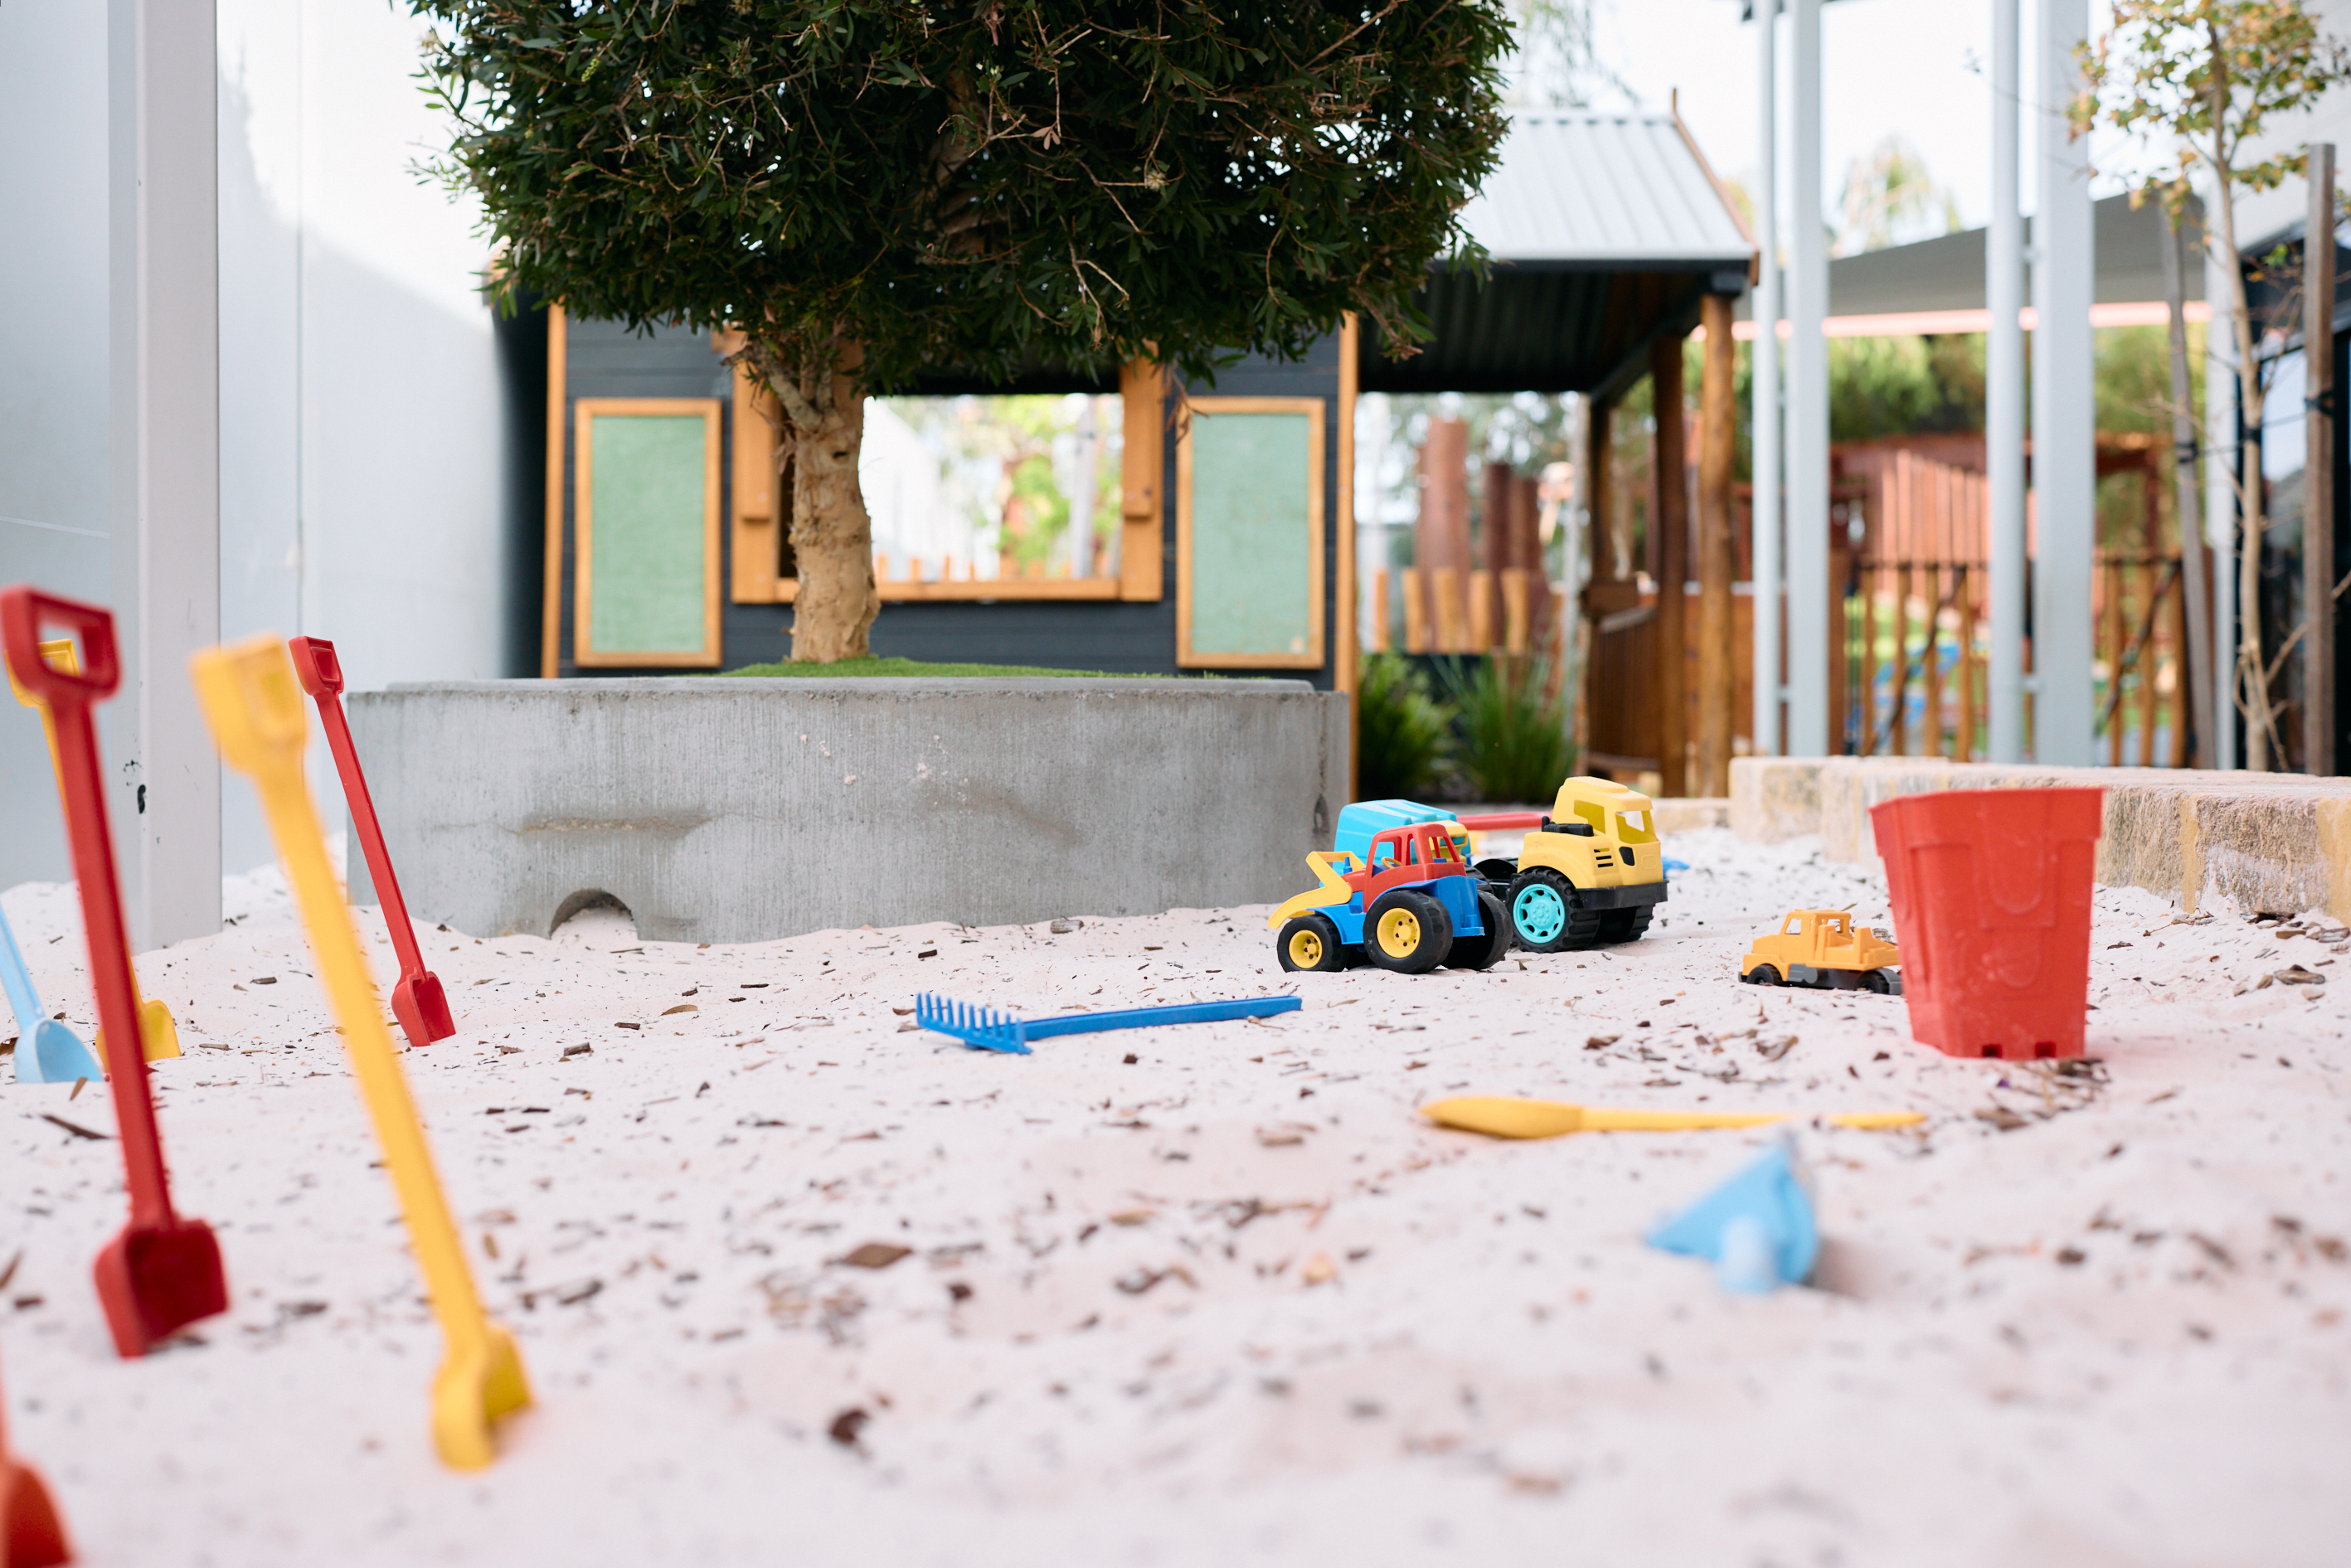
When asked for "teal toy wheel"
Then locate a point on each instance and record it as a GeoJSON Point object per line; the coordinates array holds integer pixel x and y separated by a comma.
{"type": "Point", "coordinates": [1539, 913]}
{"type": "Point", "coordinates": [1546, 916]}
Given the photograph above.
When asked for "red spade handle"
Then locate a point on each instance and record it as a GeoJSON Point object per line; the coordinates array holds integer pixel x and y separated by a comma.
{"type": "Point", "coordinates": [25, 614]}
{"type": "Point", "coordinates": [322, 676]}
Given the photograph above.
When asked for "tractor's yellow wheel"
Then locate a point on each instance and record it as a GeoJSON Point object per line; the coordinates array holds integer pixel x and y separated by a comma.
{"type": "Point", "coordinates": [1309, 942]}
{"type": "Point", "coordinates": [1399, 933]}
{"type": "Point", "coordinates": [1408, 931]}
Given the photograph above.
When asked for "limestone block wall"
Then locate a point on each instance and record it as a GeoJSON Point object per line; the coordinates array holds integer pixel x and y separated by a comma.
{"type": "Point", "coordinates": [2277, 841]}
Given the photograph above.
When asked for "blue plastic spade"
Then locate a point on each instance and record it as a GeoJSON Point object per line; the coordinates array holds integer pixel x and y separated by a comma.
{"type": "Point", "coordinates": [990, 1029]}
{"type": "Point", "coordinates": [1757, 1227]}
{"type": "Point", "coordinates": [47, 1050]}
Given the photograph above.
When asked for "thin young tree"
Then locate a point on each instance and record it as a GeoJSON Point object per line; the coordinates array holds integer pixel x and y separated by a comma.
{"type": "Point", "coordinates": [2198, 81]}
{"type": "Point", "coordinates": [868, 189]}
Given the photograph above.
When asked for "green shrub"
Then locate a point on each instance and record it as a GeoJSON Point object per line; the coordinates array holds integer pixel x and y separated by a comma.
{"type": "Point", "coordinates": [1514, 740]}
{"type": "Point", "coordinates": [1406, 732]}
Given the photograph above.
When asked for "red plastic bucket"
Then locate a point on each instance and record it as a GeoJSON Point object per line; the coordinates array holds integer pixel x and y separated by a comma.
{"type": "Point", "coordinates": [1991, 891]}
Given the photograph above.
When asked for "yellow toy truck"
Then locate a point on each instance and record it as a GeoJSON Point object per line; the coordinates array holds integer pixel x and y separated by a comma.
{"type": "Point", "coordinates": [1590, 872]}
{"type": "Point", "coordinates": [1824, 949]}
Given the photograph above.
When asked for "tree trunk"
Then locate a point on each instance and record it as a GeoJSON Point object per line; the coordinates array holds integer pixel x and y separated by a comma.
{"type": "Point", "coordinates": [832, 533]}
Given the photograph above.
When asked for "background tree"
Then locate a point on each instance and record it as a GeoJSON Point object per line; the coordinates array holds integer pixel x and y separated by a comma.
{"type": "Point", "coordinates": [2196, 81]}
{"type": "Point", "coordinates": [1891, 199]}
{"type": "Point", "coordinates": [871, 188]}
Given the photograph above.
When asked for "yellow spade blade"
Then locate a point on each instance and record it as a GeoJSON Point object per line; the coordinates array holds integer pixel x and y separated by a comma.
{"type": "Point", "coordinates": [1503, 1117]}
{"type": "Point", "coordinates": [255, 706]}
{"type": "Point", "coordinates": [159, 1037]}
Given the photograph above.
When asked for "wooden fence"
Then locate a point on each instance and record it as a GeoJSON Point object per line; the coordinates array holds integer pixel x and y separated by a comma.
{"type": "Point", "coordinates": [1447, 611]}
{"type": "Point", "coordinates": [1917, 640]}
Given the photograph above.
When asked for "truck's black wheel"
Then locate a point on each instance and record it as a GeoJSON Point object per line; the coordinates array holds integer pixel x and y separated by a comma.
{"type": "Point", "coordinates": [1625, 925]}
{"type": "Point", "coordinates": [1877, 980]}
{"type": "Point", "coordinates": [1309, 942]}
{"type": "Point", "coordinates": [1484, 950]}
{"type": "Point", "coordinates": [1496, 869]}
{"type": "Point", "coordinates": [1761, 974]}
{"type": "Point", "coordinates": [1546, 916]}
{"type": "Point", "coordinates": [1406, 931]}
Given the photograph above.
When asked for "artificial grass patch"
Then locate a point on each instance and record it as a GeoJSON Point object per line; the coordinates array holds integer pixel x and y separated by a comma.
{"type": "Point", "coordinates": [872, 666]}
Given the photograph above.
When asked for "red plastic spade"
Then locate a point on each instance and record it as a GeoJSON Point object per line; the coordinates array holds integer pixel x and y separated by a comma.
{"type": "Point", "coordinates": [30, 1535]}
{"type": "Point", "coordinates": [417, 1000]}
{"type": "Point", "coordinates": [162, 1272]}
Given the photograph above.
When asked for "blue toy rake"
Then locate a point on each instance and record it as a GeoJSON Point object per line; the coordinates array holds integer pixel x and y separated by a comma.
{"type": "Point", "coordinates": [990, 1029]}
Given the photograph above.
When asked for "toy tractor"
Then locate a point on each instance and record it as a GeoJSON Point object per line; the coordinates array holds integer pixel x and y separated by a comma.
{"type": "Point", "coordinates": [1824, 949]}
{"type": "Point", "coordinates": [1589, 874]}
{"type": "Point", "coordinates": [1399, 891]}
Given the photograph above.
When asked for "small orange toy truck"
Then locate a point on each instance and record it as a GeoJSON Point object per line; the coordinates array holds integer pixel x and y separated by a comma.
{"type": "Point", "coordinates": [1824, 949]}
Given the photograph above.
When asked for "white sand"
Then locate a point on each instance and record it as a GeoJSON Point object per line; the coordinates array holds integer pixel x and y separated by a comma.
{"type": "Point", "coordinates": [2113, 1335]}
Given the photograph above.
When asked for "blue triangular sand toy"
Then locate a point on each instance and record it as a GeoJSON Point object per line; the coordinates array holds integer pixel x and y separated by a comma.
{"type": "Point", "coordinates": [1756, 1229]}
{"type": "Point", "coordinates": [47, 1050]}
{"type": "Point", "coordinates": [990, 1029]}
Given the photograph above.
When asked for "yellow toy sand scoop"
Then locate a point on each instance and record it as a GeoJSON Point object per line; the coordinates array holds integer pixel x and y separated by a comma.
{"type": "Point", "coordinates": [1502, 1117]}
{"type": "Point", "coordinates": [250, 694]}
{"type": "Point", "coordinates": [159, 1037]}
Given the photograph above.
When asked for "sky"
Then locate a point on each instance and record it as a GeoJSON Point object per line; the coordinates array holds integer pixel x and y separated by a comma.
{"type": "Point", "coordinates": [1919, 69]}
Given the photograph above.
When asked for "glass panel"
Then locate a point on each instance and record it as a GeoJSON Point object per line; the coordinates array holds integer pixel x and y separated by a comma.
{"type": "Point", "coordinates": [978, 488]}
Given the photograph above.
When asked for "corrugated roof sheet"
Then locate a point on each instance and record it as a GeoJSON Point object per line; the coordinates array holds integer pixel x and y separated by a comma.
{"type": "Point", "coordinates": [1581, 190]}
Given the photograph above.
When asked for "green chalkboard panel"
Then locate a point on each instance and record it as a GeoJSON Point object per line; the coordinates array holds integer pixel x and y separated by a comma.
{"type": "Point", "coordinates": [1249, 533]}
{"type": "Point", "coordinates": [648, 526]}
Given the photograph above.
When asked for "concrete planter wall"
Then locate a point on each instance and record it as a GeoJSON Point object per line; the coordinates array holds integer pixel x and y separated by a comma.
{"type": "Point", "coordinates": [732, 810]}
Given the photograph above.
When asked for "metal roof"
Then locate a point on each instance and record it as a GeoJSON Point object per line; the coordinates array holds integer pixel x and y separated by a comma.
{"type": "Point", "coordinates": [1580, 191]}
{"type": "Point", "coordinates": [1604, 230]}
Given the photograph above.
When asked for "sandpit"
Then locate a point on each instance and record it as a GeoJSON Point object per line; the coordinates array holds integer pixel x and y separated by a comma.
{"type": "Point", "coordinates": [1211, 1294]}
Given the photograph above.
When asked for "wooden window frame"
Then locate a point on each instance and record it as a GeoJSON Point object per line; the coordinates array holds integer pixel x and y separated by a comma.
{"type": "Point", "coordinates": [585, 412]}
{"type": "Point", "coordinates": [1141, 389]}
{"type": "Point", "coordinates": [1317, 412]}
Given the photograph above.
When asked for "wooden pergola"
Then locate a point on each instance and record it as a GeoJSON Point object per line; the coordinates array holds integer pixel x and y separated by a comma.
{"type": "Point", "coordinates": [1608, 241]}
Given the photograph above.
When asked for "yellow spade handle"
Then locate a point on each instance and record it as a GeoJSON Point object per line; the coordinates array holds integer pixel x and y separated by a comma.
{"type": "Point", "coordinates": [294, 822]}
{"type": "Point", "coordinates": [1599, 1119]}
{"type": "Point", "coordinates": [1504, 1116]}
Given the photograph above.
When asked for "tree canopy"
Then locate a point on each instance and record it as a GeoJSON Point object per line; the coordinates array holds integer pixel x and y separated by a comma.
{"type": "Point", "coordinates": [986, 186]}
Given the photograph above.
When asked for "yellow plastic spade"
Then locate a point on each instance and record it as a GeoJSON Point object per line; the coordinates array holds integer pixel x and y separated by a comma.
{"type": "Point", "coordinates": [250, 694]}
{"type": "Point", "coordinates": [1502, 1117]}
{"type": "Point", "coordinates": [159, 1037]}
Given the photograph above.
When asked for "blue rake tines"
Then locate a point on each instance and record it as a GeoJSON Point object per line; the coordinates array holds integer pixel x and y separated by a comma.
{"type": "Point", "coordinates": [990, 1029]}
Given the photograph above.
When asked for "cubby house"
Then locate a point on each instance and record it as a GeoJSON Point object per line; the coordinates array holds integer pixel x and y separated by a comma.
{"type": "Point", "coordinates": [1226, 545]}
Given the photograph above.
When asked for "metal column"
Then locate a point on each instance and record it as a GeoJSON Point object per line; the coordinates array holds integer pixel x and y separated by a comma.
{"type": "Point", "coordinates": [2065, 412]}
{"type": "Point", "coordinates": [2004, 404]}
{"type": "Point", "coordinates": [1766, 388]}
{"type": "Point", "coordinates": [164, 369]}
{"type": "Point", "coordinates": [2221, 454]}
{"type": "Point", "coordinates": [1808, 720]}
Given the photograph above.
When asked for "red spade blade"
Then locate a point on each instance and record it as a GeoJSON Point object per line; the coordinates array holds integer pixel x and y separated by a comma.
{"type": "Point", "coordinates": [156, 1280]}
{"type": "Point", "coordinates": [30, 1535]}
{"type": "Point", "coordinates": [423, 1010]}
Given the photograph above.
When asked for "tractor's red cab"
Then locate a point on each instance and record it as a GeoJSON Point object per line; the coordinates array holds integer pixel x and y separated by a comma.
{"type": "Point", "coordinates": [1403, 856]}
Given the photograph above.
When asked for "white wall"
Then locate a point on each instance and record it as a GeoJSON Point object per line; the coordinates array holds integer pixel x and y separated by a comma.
{"type": "Point", "coordinates": [363, 437]}
{"type": "Point", "coordinates": [53, 336]}
{"type": "Point", "coordinates": [365, 455]}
